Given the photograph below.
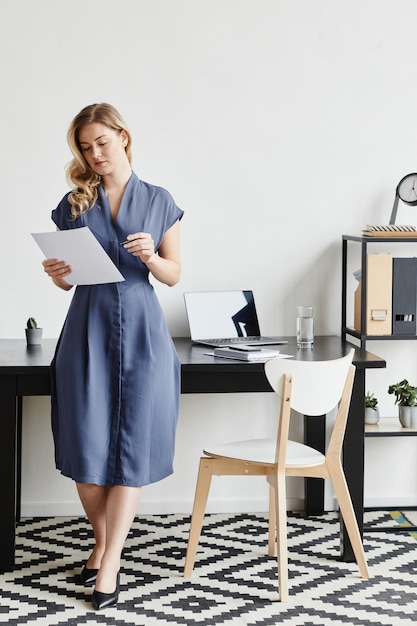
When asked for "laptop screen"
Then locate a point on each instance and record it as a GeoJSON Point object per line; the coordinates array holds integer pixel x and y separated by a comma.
{"type": "Point", "coordinates": [221, 314]}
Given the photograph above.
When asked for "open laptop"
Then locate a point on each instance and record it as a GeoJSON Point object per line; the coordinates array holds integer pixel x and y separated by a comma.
{"type": "Point", "coordinates": [224, 318]}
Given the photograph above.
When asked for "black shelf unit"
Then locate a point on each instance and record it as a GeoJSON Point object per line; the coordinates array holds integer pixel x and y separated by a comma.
{"type": "Point", "coordinates": [362, 337]}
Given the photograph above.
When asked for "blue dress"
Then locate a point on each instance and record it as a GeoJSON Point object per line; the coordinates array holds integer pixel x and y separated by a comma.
{"type": "Point", "coordinates": [116, 374]}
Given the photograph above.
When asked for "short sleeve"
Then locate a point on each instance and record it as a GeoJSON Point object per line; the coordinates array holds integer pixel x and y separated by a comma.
{"type": "Point", "coordinates": [163, 213]}
{"type": "Point", "coordinates": [62, 215]}
{"type": "Point", "coordinates": [173, 212]}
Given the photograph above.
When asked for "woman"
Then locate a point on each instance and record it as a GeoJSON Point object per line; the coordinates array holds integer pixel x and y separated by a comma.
{"type": "Point", "coordinates": [115, 373]}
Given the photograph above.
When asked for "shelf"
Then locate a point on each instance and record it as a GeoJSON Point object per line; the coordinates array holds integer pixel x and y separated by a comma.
{"type": "Point", "coordinates": [357, 334]}
{"type": "Point", "coordinates": [378, 239]}
{"type": "Point", "coordinates": [389, 427]}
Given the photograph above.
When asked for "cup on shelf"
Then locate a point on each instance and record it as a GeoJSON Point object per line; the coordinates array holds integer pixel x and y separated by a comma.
{"type": "Point", "coordinates": [305, 326]}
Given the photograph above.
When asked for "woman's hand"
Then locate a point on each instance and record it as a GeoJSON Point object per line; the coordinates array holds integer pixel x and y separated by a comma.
{"type": "Point", "coordinates": [57, 270]}
{"type": "Point", "coordinates": [165, 264]}
{"type": "Point", "coordinates": [141, 245]}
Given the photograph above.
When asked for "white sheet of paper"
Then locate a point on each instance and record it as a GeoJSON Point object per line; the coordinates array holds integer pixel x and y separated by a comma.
{"type": "Point", "coordinates": [90, 263]}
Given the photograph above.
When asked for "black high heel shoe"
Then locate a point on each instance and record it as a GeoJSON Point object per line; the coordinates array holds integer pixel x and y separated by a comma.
{"type": "Point", "coordinates": [88, 576]}
{"type": "Point", "coordinates": [102, 600]}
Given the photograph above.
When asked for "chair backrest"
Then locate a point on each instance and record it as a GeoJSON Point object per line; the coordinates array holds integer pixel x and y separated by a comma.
{"type": "Point", "coordinates": [312, 388]}
{"type": "Point", "coordinates": [317, 386]}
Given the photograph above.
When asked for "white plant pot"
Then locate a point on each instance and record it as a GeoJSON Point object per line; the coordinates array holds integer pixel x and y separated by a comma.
{"type": "Point", "coordinates": [33, 336]}
{"type": "Point", "coordinates": [371, 415]}
{"type": "Point", "coordinates": [408, 416]}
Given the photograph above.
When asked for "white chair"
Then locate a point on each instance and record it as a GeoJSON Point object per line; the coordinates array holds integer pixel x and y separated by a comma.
{"type": "Point", "coordinates": [310, 388]}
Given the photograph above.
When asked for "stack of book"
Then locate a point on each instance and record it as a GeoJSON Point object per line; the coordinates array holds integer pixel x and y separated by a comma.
{"type": "Point", "coordinates": [244, 353]}
{"type": "Point", "coordinates": [389, 230]}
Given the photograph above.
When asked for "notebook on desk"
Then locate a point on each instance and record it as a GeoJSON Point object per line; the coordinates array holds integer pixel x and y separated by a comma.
{"type": "Point", "coordinates": [224, 318]}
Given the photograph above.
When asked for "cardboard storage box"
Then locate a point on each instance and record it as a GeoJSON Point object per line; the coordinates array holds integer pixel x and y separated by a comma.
{"type": "Point", "coordinates": [378, 296]}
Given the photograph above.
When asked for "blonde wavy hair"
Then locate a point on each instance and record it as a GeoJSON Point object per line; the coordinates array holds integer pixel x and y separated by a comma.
{"type": "Point", "coordinates": [82, 179]}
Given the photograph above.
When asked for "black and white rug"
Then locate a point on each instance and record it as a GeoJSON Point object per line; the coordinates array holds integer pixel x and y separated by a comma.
{"type": "Point", "coordinates": [234, 581]}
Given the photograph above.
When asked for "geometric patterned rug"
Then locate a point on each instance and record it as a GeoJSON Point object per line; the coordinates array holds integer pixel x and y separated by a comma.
{"type": "Point", "coordinates": [234, 581]}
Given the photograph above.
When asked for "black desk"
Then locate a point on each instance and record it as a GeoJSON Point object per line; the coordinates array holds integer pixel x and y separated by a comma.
{"type": "Point", "coordinates": [25, 372]}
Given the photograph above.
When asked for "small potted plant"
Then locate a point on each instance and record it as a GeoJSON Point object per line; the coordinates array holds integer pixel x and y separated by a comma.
{"type": "Point", "coordinates": [33, 333]}
{"type": "Point", "coordinates": [371, 409]}
{"type": "Point", "coordinates": [406, 399]}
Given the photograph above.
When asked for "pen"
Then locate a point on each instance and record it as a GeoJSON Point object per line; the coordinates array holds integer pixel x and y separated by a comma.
{"type": "Point", "coordinates": [122, 243]}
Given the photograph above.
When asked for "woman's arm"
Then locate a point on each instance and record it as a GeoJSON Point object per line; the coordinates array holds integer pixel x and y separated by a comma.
{"type": "Point", "coordinates": [165, 264]}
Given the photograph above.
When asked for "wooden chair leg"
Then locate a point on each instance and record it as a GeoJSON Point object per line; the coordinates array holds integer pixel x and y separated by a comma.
{"type": "Point", "coordinates": [342, 494]}
{"type": "Point", "coordinates": [200, 501]}
{"type": "Point", "coordinates": [281, 532]}
{"type": "Point", "coordinates": [272, 523]}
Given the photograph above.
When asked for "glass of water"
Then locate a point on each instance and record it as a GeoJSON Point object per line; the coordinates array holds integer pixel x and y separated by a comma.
{"type": "Point", "coordinates": [305, 326]}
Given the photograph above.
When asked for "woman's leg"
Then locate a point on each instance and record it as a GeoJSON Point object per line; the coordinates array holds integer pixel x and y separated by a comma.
{"type": "Point", "coordinates": [94, 501]}
{"type": "Point", "coordinates": [121, 507]}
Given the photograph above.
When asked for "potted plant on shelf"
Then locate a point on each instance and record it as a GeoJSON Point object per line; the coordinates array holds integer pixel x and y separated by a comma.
{"type": "Point", "coordinates": [33, 333]}
{"type": "Point", "coordinates": [406, 398]}
{"type": "Point", "coordinates": [371, 409]}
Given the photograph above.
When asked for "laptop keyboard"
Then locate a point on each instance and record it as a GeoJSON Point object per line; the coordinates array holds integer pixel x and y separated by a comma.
{"type": "Point", "coordinates": [231, 340]}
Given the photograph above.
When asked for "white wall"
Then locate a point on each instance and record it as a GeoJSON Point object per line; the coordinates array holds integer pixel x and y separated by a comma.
{"type": "Point", "coordinates": [277, 125]}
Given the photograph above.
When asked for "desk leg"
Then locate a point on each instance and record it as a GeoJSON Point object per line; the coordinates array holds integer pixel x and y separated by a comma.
{"type": "Point", "coordinates": [8, 471]}
{"type": "Point", "coordinates": [354, 460]}
{"type": "Point", "coordinates": [19, 457]}
{"type": "Point", "coordinates": [314, 436]}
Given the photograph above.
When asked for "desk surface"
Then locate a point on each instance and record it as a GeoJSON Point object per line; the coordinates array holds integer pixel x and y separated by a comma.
{"type": "Point", "coordinates": [16, 357]}
{"type": "Point", "coordinates": [200, 371]}
{"type": "Point", "coordinates": [325, 347]}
